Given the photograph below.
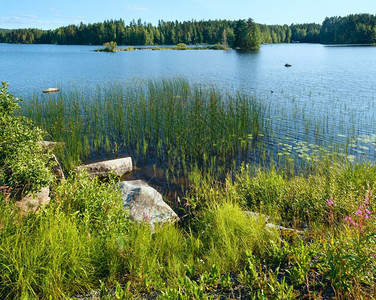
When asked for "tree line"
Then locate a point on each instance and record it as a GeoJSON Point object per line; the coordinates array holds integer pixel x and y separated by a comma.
{"type": "Point", "coordinates": [353, 29]}
{"type": "Point", "coordinates": [360, 28]}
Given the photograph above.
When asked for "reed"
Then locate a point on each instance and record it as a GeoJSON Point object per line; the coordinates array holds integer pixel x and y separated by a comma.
{"type": "Point", "coordinates": [167, 122]}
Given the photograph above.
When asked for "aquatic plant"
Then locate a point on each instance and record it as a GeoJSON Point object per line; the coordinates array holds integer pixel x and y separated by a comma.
{"type": "Point", "coordinates": [168, 122]}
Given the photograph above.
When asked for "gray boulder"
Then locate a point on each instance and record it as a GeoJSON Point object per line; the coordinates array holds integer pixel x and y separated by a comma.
{"type": "Point", "coordinates": [33, 202]}
{"type": "Point", "coordinates": [48, 145]}
{"type": "Point", "coordinates": [145, 203]}
{"type": "Point", "coordinates": [118, 167]}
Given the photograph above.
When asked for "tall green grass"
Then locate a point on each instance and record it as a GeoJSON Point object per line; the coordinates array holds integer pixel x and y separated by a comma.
{"type": "Point", "coordinates": [168, 122]}
{"type": "Point", "coordinates": [44, 256]}
{"type": "Point", "coordinates": [85, 237]}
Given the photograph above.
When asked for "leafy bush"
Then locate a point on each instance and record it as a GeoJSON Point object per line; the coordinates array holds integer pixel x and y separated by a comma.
{"type": "Point", "coordinates": [110, 46]}
{"type": "Point", "coordinates": [23, 161]}
{"type": "Point", "coordinates": [181, 46]}
{"type": "Point", "coordinates": [97, 206]}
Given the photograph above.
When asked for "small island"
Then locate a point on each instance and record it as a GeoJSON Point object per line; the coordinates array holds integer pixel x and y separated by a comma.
{"type": "Point", "coordinates": [111, 47]}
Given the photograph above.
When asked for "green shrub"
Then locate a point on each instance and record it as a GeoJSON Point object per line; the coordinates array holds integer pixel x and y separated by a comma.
{"type": "Point", "coordinates": [110, 46]}
{"type": "Point", "coordinates": [98, 206]}
{"type": "Point", "coordinates": [23, 161]}
{"type": "Point", "coordinates": [181, 46]}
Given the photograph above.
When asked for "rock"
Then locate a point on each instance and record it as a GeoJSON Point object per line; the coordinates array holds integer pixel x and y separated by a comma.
{"type": "Point", "coordinates": [118, 167]}
{"type": "Point", "coordinates": [145, 203]}
{"type": "Point", "coordinates": [51, 90]}
{"type": "Point", "coordinates": [33, 202]}
{"type": "Point", "coordinates": [285, 230]}
{"type": "Point", "coordinates": [57, 170]}
{"type": "Point", "coordinates": [257, 215]}
{"type": "Point", "coordinates": [50, 145]}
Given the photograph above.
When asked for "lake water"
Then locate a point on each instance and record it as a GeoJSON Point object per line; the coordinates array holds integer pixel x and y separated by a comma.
{"type": "Point", "coordinates": [327, 95]}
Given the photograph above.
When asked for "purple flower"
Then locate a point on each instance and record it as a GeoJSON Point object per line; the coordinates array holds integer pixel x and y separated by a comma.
{"type": "Point", "coordinates": [350, 221]}
{"type": "Point", "coordinates": [330, 202]}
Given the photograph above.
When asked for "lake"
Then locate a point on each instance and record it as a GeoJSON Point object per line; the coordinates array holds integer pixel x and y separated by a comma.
{"type": "Point", "coordinates": [327, 96]}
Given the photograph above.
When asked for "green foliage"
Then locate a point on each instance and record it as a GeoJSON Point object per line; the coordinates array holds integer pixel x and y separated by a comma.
{"type": "Point", "coordinates": [23, 161]}
{"type": "Point", "coordinates": [181, 46]}
{"type": "Point", "coordinates": [68, 247]}
{"type": "Point", "coordinates": [44, 256]}
{"type": "Point", "coordinates": [177, 123]}
{"type": "Point", "coordinates": [219, 47]}
{"type": "Point", "coordinates": [85, 240]}
{"type": "Point", "coordinates": [359, 28]}
{"type": "Point", "coordinates": [187, 290]}
{"type": "Point", "coordinates": [348, 261]}
{"type": "Point", "coordinates": [352, 29]}
{"type": "Point", "coordinates": [98, 207]}
{"type": "Point", "coordinates": [302, 199]}
{"type": "Point", "coordinates": [110, 46]}
{"type": "Point", "coordinates": [8, 103]}
{"type": "Point", "coordinates": [300, 255]}
{"type": "Point", "coordinates": [247, 35]}
{"type": "Point", "coordinates": [228, 232]}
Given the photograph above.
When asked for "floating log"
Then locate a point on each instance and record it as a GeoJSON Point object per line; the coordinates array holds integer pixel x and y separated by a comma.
{"type": "Point", "coordinates": [51, 90]}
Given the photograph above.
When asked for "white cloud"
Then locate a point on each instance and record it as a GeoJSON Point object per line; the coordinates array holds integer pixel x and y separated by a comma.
{"type": "Point", "coordinates": [54, 10]}
{"type": "Point", "coordinates": [136, 8]}
{"type": "Point", "coordinates": [30, 21]}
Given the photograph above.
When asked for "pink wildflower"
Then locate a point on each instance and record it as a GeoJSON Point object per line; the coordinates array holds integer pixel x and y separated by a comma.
{"type": "Point", "coordinates": [330, 202]}
{"type": "Point", "coordinates": [350, 221]}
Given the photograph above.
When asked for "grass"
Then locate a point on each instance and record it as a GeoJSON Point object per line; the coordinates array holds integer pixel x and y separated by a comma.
{"type": "Point", "coordinates": [85, 237]}
{"type": "Point", "coordinates": [170, 123]}
{"type": "Point", "coordinates": [84, 240]}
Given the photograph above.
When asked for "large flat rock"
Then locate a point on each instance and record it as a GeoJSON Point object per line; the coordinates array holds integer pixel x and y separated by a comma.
{"type": "Point", "coordinates": [117, 167]}
{"type": "Point", "coordinates": [145, 203]}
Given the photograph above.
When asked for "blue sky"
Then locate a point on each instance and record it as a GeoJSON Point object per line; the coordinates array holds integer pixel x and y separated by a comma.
{"type": "Point", "coordinates": [50, 14]}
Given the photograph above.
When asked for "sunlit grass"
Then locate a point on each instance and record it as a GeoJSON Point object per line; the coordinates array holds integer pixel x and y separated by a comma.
{"type": "Point", "coordinates": [246, 166]}
{"type": "Point", "coordinates": [168, 122]}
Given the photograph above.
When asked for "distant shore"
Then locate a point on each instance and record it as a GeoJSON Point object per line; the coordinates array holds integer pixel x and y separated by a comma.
{"type": "Point", "coordinates": [177, 47]}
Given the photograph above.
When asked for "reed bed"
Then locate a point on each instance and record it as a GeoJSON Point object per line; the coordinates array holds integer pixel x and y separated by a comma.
{"type": "Point", "coordinates": [176, 127]}
{"type": "Point", "coordinates": [170, 123]}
